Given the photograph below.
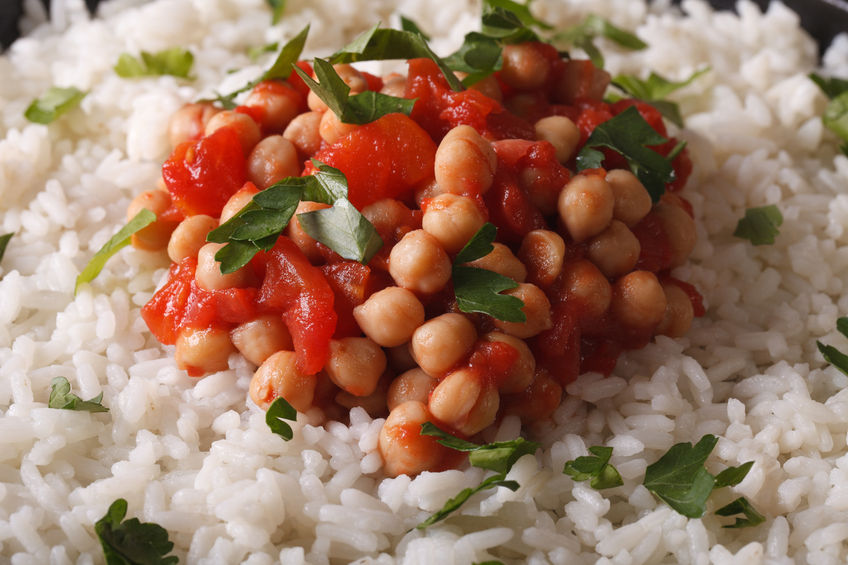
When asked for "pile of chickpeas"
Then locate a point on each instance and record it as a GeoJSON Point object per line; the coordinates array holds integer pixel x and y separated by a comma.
{"type": "Point", "coordinates": [416, 357]}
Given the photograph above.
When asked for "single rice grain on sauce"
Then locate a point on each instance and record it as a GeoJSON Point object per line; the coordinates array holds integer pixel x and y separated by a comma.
{"type": "Point", "coordinates": [570, 293]}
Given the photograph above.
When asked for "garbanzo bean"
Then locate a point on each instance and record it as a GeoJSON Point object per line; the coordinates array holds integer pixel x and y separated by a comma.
{"type": "Point", "coordinates": [237, 201]}
{"type": "Point", "coordinates": [271, 160]}
{"type": "Point", "coordinates": [303, 132]}
{"type": "Point", "coordinates": [537, 308]}
{"type": "Point", "coordinates": [464, 401]}
{"type": "Point", "coordinates": [331, 128]}
{"type": "Point", "coordinates": [404, 449]}
{"type": "Point", "coordinates": [452, 220]}
{"type": "Point", "coordinates": [419, 263]}
{"type": "Point", "coordinates": [679, 228]}
{"type": "Point", "coordinates": [638, 300]}
{"type": "Point", "coordinates": [303, 240]}
{"type": "Point", "coordinates": [585, 206]}
{"type": "Point", "coordinates": [279, 104]}
{"type": "Point", "coordinates": [351, 77]}
{"type": "Point", "coordinates": [391, 218]}
{"type": "Point", "coordinates": [389, 316]}
{"type": "Point", "coordinates": [501, 260]}
{"type": "Point", "coordinates": [560, 132]}
{"type": "Point", "coordinates": [465, 162]}
{"type": "Point", "coordinates": [261, 337]}
{"type": "Point", "coordinates": [189, 122]}
{"type": "Point", "coordinates": [615, 250]}
{"type": "Point", "coordinates": [679, 312]}
{"type": "Point", "coordinates": [583, 283]}
{"type": "Point", "coordinates": [632, 201]}
{"type": "Point", "coordinates": [542, 252]}
{"type": "Point", "coordinates": [355, 364]}
{"type": "Point", "coordinates": [394, 85]}
{"type": "Point", "coordinates": [538, 401]}
{"type": "Point", "coordinates": [155, 236]}
{"type": "Point", "coordinates": [442, 342]}
{"type": "Point", "coordinates": [190, 236]}
{"type": "Point", "coordinates": [247, 130]}
{"type": "Point", "coordinates": [521, 373]}
{"type": "Point", "coordinates": [524, 67]}
{"type": "Point", "coordinates": [572, 85]}
{"type": "Point", "coordinates": [278, 377]}
{"type": "Point", "coordinates": [414, 384]}
{"type": "Point", "coordinates": [203, 350]}
{"type": "Point", "coordinates": [208, 274]}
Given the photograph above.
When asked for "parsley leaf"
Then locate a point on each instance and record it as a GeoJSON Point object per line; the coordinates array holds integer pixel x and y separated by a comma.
{"type": "Point", "coordinates": [732, 476]}
{"type": "Point", "coordinates": [832, 86]}
{"type": "Point", "coordinates": [360, 108]}
{"type": "Point", "coordinates": [741, 506]}
{"type": "Point", "coordinates": [343, 229]}
{"type": "Point", "coordinates": [759, 226]}
{"type": "Point", "coordinates": [680, 479]}
{"type": "Point", "coordinates": [175, 62]}
{"type": "Point", "coordinates": [454, 503]}
{"type": "Point", "coordinates": [257, 51]}
{"type": "Point", "coordinates": [478, 290]}
{"type": "Point", "coordinates": [479, 56]}
{"type": "Point", "coordinates": [499, 456]}
{"type": "Point", "coordinates": [378, 44]}
{"type": "Point", "coordinates": [118, 241]}
{"type": "Point", "coordinates": [583, 34]}
{"type": "Point", "coordinates": [833, 355]}
{"type": "Point", "coordinates": [4, 242]}
{"type": "Point", "coordinates": [520, 11]}
{"type": "Point", "coordinates": [407, 24]}
{"type": "Point", "coordinates": [654, 90]}
{"type": "Point", "coordinates": [835, 116]}
{"type": "Point", "coordinates": [630, 135]}
{"type": "Point", "coordinates": [53, 103]}
{"type": "Point", "coordinates": [505, 25]}
{"type": "Point", "coordinates": [595, 467]}
{"type": "Point", "coordinates": [132, 542]}
{"type": "Point", "coordinates": [281, 410]}
{"type": "Point", "coordinates": [277, 9]}
{"type": "Point", "coordinates": [61, 397]}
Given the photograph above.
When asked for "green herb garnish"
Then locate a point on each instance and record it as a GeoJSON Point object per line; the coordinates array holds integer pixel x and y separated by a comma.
{"type": "Point", "coordinates": [255, 52]}
{"type": "Point", "coordinates": [257, 226]}
{"type": "Point", "coordinates": [4, 242]}
{"type": "Point", "coordinates": [835, 116]}
{"type": "Point", "coordinates": [281, 410]}
{"type": "Point", "coordinates": [595, 467]}
{"type": "Point", "coordinates": [478, 290]}
{"type": "Point", "coordinates": [118, 241]}
{"type": "Point", "coordinates": [53, 103]}
{"type": "Point", "coordinates": [759, 226]}
{"type": "Point", "coordinates": [61, 397]}
{"type": "Point", "coordinates": [277, 9]}
{"type": "Point", "coordinates": [499, 457]}
{"type": "Point", "coordinates": [654, 91]}
{"type": "Point", "coordinates": [833, 355]}
{"type": "Point", "coordinates": [174, 62]}
{"type": "Point", "coordinates": [360, 108]}
{"type": "Point", "coordinates": [630, 135]}
{"type": "Point", "coordinates": [132, 542]}
{"type": "Point", "coordinates": [741, 506]}
{"type": "Point", "coordinates": [409, 25]}
{"type": "Point", "coordinates": [583, 35]}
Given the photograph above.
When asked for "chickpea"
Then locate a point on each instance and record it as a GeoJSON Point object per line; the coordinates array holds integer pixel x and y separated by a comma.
{"type": "Point", "coordinates": [679, 312]}
{"type": "Point", "coordinates": [303, 132]}
{"type": "Point", "coordinates": [585, 206]}
{"type": "Point", "coordinates": [352, 77]}
{"type": "Point", "coordinates": [464, 401]}
{"type": "Point", "coordinates": [490, 87]}
{"type": "Point", "coordinates": [679, 228]}
{"type": "Point", "coordinates": [521, 373]}
{"type": "Point", "coordinates": [244, 126]}
{"type": "Point", "coordinates": [208, 274]}
{"type": "Point", "coordinates": [560, 132]}
{"type": "Point", "coordinates": [465, 162]}
{"type": "Point", "coordinates": [355, 364]}
{"type": "Point", "coordinates": [190, 236]}
{"type": "Point", "coordinates": [430, 189]}
{"type": "Point", "coordinates": [583, 283]}
{"type": "Point", "coordinates": [615, 250]}
{"type": "Point", "coordinates": [542, 252]}
{"type": "Point", "coordinates": [400, 358]}
{"type": "Point", "coordinates": [536, 307]}
{"type": "Point", "coordinates": [452, 220]}
{"type": "Point", "coordinates": [271, 160]}
{"type": "Point", "coordinates": [331, 129]}
{"type": "Point", "coordinates": [573, 85]}
{"type": "Point", "coordinates": [279, 103]}
{"type": "Point", "coordinates": [418, 262]}
{"type": "Point", "coordinates": [278, 377]}
{"type": "Point", "coordinates": [524, 67]}
{"type": "Point", "coordinates": [303, 240]}
{"type": "Point", "coordinates": [189, 122]}
{"type": "Point", "coordinates": [632, 201]}
{"type": "Point", "coordinates": [394, 85]}
{"type": "Point", "coordinates": [442, 342]}
{"type": "Point", "coordinates": [374, 403]}
{"type": "Point", "coordinates": [261, 337]}
{"type": "Point", "coordinates": [391, 218]}
{"type": "Point", "coordinates": [638, 300]}
{"type": "Point", "coordinates": [155, 236]}
{"type": "Point", "coordinates": [203, 351]}
{"type": "Point", "coordinates": [404, 449]}
{"type": "Point", "coordinates": [501, 260]}
{"type": "Point", "coordinates": [237, 201]}
{"type": "Point", "coordinates": [389, 316]}
{"type": "Point", "coordinates": [414, 384]}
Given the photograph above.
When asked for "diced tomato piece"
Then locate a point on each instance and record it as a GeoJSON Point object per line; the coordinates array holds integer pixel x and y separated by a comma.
{"type": "Point", "coordinates": [352, 284]}
{"type": "Point", "coordinates": [558, 349]}
{"type": "Point", "coordinates": [510, 208]}
{"type": "Point", "coordinates": [599, 356]}
{"type": "Point", "coordinates": [656, 252]}
{"type": "Point", "coordinates": [298, 289]}
{"type": "Point", "coordinates": [535, 164]}
{"type": "Point", "coordinates": [493, 360]}
{"type": "Point", "coordinates": [374, 82]}
{"type": "Point", "coordinates": [297, 82]}
{"type": "Point", "coordinates": [383, 159]}
{"type": "Point", "coordinates": [694, 296]}
{"type": "Point", "coordinates": [164, 312]}
{"type": "Point", "coordinates": [202, 175]}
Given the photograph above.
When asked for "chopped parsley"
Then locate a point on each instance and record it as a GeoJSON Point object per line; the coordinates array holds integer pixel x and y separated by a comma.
{"type": "Point", "coordinates": [835, 116]}
{"type": "Point", "coordinates": [53, 103]}
{"type": "Point", "coordinates": [277, 9]}
{"type": "Point", "coordinates": [741, 506]}
{"type": "Point", "coordinates": [61, 397]}
{"type": "Point", "coordinates": [131, 542]}
{"type": "Point", "coordinates": [118, 241]}
{"type": "Point", "coordinates": [281, 410]}
{"type": "Point", "coordinates": [654, 90]}
{"type": "Point", "coordinates": [583, 35]}
{"type": "Point", "coordinates": [478, 290]}
{"type": "Point", "coordinates": [595, 468]}
{"type": "Point", "coordinates": [174, 62]}
{"type": "Point", "coordinates": [833, 355]}
{"type": "Point", "coordinates": [760, 225]}
{"type": "Point", "coordinates": [4, 242]}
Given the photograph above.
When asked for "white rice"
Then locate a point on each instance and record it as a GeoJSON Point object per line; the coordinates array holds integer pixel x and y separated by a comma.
{"type": "Point", "coordinates": [197, 458]}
